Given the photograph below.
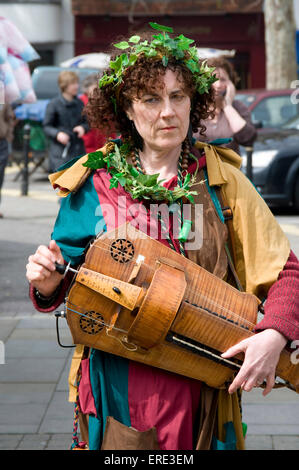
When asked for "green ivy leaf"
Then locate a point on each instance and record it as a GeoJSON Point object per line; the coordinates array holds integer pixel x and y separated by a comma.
{"type": "Point", "coordinates": [116, 64]}
{"type": "Point", "coordinates": [113, 182]}
{"type": "Point", "coordinates": [147, 180]}
{"type": "Point", "coordinates": [133, 171]}
{"type": "Point", "coordinates": [151, 53]}
{"type": "Point", "coordinates": [187, 180]}
{"type": "Point", "coordinates": [160, 27]}
{"type": "Point", "coordinates": [183, 42]}
{"type": "Point", "coordinates": [191, 198]}
{"type": "Point", "coordinates": [165, 61]}
{"type": "Point", "coordinates": [95, 160]}
{"type": "Point", "coordinates": [132, 59]}
{"type": "Point", "coordinates": [122, 45]}
{"type": "Point", "coordinates": [192, 65]}
{"type": "Point", "coordinates": [105, 80]}
{"type": "Point", "coordinates": [120, 178]}
{"type": "Point", "coordinates": [179, 54]}
{"type": "Point", "coordinates": [135, 39]}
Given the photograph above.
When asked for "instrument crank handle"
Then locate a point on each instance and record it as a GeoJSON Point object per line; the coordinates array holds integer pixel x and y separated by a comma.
{"type": "Point", "coordinates": [64, 268]}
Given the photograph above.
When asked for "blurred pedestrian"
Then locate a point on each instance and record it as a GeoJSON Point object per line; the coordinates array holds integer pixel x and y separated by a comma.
{"type": "Point", "coordinates": [64, 123]}
{"type": "Point", "coordinates": [232, 118]}
{"type": "Point", "coordinates": [93, 139]}
{"type": "Point", "coordinates": [7, 122]}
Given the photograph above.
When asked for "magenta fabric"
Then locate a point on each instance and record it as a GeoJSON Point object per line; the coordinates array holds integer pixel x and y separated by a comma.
{"type": "Point", "coordinates": [86, 399]}
{"type": "Point", "coordinates": [164, 400]}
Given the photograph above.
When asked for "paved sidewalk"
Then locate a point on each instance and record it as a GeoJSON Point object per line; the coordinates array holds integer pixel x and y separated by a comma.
{"type": "Point", "coordinates": [34, 411]}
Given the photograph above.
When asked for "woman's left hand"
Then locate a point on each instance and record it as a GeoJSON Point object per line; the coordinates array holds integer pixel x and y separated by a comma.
{"type": "Point", "coordinates": [230, 94]}
{"type": "Point", "coordinates": [262, 352]}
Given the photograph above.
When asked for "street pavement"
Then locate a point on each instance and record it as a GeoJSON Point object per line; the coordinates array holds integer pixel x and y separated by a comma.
{"type": "Point", "coordinates": [34, 411]}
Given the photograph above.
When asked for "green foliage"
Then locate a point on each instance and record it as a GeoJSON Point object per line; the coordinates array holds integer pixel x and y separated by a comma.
{"type": "Point", "coordinates": [165, 46]}
{"type": "Point", "coordinates": [140, 186]}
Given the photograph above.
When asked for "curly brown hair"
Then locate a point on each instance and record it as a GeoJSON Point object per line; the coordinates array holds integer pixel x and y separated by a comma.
{"type": "Point", "coordinates": [143, 77]}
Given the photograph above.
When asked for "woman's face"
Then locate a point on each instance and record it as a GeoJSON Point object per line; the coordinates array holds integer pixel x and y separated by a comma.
{"type": "Point", "coordinates": [222, 82]}
{"type": "Point", "coordinates": [162, 117]}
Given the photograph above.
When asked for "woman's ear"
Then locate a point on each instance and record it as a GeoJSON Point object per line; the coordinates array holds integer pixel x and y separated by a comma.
{"type": "Point", "coordinates": [129, 114]}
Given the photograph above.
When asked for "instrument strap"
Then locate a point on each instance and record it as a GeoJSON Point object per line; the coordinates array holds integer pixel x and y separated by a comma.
{"type": "Point", "coordinates": [227, 214]}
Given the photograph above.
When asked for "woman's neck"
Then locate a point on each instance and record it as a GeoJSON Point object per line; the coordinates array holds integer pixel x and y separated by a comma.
{"type": "Point", "coordinates": [164, 162]}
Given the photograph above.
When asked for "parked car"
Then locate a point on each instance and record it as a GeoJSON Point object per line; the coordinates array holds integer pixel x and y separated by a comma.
{"type": "Point", "coordinates": [44, 80]}
{"type": "Point", "coordinates": [275, 166]}
{"type": "Point", "coordinates": [270, 108]}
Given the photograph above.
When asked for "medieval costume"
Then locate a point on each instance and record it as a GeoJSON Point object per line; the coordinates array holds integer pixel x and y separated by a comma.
{"type": "Point", "coordinates": [142, 397]}
{"type": "Point", "coordinates": [125, 404]}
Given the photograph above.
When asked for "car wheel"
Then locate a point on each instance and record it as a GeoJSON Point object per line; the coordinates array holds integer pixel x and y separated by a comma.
{"type": "Point", "coordinates": [296, 194]}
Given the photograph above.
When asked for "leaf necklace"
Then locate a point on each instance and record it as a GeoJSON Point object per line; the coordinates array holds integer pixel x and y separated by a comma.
{"type": "Point", "coordinates": [146, 187]}
{"type": "Point", "coordinates": [185, 224]}
{"type": "Point", "coordinates": [134, 180]}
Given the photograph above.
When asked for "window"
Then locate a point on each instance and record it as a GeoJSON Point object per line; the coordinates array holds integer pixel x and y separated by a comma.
{"type": "Point", "coordinates": [274, 111]}
{"type": "Point", "coordinates": [45, 80]}
{"type": "Point", "coordinates": [245, 98]}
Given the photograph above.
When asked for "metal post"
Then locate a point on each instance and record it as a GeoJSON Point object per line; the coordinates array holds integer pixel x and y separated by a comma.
{"type": "Point", "coordinates": [25, 173]}
{"type": "Point", "coordinates": [249, 151]}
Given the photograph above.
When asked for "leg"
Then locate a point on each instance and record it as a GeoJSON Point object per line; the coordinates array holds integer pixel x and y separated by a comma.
{"type": "Point", "coordinates": [3, 161]}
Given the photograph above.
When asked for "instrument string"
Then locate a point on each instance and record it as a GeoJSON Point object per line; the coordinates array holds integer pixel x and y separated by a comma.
{"type": "Point", "coordinates": [94, 320]}
{"type": "Point", "coordinates": [198, 295]}
{"type": "Point", "coordinates": [174, 338]}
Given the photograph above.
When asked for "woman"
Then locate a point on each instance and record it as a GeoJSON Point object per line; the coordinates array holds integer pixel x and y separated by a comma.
{"type": "Point", "coordinates": [155, 95]}
{"type": "Point", "coordinates": [64, 123]}
{"type": "Point", "coordinates": [232, 119]}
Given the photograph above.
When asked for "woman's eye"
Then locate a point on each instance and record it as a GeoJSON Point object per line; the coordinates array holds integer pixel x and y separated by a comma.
{"type": "Point", "coordinates": [151, 100]}
{"type": "Point", "coordinates": [178, 97]}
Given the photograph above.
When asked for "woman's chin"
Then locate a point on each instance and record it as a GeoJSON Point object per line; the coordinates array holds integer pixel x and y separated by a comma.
{"type": "Point", "coordinates": [168, 142]}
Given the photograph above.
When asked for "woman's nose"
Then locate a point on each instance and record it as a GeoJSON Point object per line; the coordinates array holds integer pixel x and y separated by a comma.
{"type": "Point", "coordinates": [167, 108]}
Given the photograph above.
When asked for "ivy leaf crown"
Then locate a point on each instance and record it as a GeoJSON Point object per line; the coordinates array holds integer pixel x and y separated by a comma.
{"type": "Point", "coordinates": [162, 46]}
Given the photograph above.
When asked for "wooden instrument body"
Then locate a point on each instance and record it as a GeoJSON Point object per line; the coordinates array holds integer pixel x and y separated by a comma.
{"type": "Point", "coordinates": [158, 294]}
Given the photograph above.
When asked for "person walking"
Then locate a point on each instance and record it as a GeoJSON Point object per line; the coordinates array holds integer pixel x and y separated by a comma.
{"type": "Point", "coordinates": [7, 121]}
{"type": "Point", "coordinates": [63, 123]}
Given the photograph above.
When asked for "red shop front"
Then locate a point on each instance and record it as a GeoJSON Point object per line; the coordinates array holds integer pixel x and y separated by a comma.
{"type": "Point", "coordinates": [243, 32]}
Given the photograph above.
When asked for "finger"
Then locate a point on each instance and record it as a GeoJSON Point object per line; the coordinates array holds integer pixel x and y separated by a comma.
{"type": "Point", "coordinates": [55, 250]}
{"type": "Point", "coordinates": [249, 384]}
{"type": "Point", "coordinates": [43, 261]}
{"type": "Point", "coordinates": [35, 276]}
{"type": "Point", "coordinates": [270, 384]}
{"type": "Point", "coordinates": [38, 268]}
{"type": "Point", "coordinates": [239, 380]}
{"type": "Point", "coordinates": [45, 252]}
{"type": "Point", "coordinates": [239, 347]}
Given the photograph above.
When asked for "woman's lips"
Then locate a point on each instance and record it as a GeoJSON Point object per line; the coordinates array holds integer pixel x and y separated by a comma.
{"type": "Point", "coordinates": [168, 128]}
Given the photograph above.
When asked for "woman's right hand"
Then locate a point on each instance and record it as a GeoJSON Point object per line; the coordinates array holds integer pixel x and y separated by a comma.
{"type": "Point", "coordinates": [41, 271]}
{"type": "Point", "coordinates": [63, 137]}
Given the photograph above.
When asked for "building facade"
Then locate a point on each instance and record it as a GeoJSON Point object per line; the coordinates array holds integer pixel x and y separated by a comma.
{"type": "Point", "coordinates": [47, 24]}
{"type": "Point", "coordinates": [229, 24]}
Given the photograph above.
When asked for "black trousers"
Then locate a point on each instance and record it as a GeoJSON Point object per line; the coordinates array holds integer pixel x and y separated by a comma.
{"type": "Point", "coordinates": [3, 160]}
